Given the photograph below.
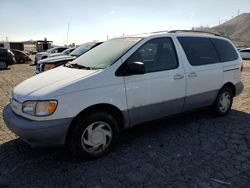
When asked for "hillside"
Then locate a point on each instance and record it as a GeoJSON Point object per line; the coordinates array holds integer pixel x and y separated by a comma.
{"type": "Point", "coordinates": [237, 29]}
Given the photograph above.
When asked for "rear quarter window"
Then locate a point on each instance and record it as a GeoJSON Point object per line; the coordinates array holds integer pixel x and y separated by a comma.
{"type": "Point", "coordinates": [225, 50]}
{"type": "Point", "coordinates": [199, 50]}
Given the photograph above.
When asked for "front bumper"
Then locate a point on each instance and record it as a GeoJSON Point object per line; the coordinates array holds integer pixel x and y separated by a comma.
{"type": "Point", "coordinates": [37, 133]}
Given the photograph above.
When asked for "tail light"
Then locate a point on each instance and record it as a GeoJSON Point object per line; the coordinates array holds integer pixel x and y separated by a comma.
{"type": "Point", "coordinates": [241, 68]}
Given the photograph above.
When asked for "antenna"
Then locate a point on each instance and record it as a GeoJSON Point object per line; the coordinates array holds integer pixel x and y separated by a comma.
{"type": "Point", "coordinates": [68, 33]}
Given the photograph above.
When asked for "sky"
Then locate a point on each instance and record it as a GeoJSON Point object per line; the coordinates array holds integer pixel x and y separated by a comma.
{"type": "Point", "coordinates": [89, 20]}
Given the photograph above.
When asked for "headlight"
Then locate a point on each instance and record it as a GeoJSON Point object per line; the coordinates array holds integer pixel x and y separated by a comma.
{"type": "Point", "coordinates": [39, 108]}
{"type": "Point", "coordinates": [49, 66]}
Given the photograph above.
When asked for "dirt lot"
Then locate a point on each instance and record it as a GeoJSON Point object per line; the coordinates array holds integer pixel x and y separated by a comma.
{"type": "Point", "coordinates": [193, 150]}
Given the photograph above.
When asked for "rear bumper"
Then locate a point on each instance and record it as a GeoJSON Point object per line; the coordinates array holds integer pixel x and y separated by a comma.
{"type": "Point", "coordinates": [11, 62]}
{"type": "Point", "coordinates": [37, 133]}
{"type": "Point", "coordinates": [238, 88]}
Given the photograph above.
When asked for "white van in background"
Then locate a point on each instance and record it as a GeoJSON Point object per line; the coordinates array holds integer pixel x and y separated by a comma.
{"type": "Point", "coordinates": [245, 53]}
{"type": "Point", "coordinates": [121, 83]}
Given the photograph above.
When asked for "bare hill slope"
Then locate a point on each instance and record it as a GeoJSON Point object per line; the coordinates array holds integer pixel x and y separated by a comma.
{"type": "Point", "coordinates": [237, 29]}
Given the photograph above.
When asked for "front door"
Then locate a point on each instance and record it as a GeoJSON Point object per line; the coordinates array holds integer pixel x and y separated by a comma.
{"type": "Point", "coordinates": [161, 90]}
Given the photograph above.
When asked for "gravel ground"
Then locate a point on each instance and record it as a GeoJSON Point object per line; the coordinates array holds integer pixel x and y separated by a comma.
{"type": "Point", "coordinates": [192, 150]}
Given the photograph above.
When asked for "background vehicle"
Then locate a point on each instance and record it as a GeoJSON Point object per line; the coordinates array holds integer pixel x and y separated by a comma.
{"type": "Point", "coordinates": [20, 56]}
{"type": "Point", "coordinates": [53, 62]}
{"type": "Point", "coordinates": [6, 58]}
{"type": "Point", "coordinates": [43, 55]}
{"type": "Point", "coordinates": [65, 52]}
{"type": "Point", "coordinates": [245, 53]}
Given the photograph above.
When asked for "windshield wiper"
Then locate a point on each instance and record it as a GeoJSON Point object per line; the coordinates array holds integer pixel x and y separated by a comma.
{"type": "Point", "coordinates": [75, 65]}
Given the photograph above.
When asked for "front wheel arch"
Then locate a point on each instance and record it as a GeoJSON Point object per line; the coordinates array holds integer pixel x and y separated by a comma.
{"type": "Point", "coordinates": [83, 140]}
{"type": "Point", "coordinates": [111, 109]}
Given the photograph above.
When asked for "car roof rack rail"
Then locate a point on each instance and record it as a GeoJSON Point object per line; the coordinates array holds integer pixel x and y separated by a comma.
{"type": "Point", "coordinates": [163, 31]}
{"type": "Point", "coordinates": [193, 31]}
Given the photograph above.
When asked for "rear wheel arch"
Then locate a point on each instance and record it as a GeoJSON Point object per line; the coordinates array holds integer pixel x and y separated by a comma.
{"type": "Point", "coordinates": [231, 86]}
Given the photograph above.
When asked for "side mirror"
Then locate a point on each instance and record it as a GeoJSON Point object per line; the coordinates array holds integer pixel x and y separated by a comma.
{"type": "Point", "coordinates": [135, 68]}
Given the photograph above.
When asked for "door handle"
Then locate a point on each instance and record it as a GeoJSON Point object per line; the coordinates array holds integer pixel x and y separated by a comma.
{"type": "Point", "coordinates": [192, 74]}
{"type": "Point", "coordinates": [178, 76]}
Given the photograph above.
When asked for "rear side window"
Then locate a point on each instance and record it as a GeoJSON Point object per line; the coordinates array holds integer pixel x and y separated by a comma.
{"type": "Point", "coordinates": [226, 51]}
{"type": "Point", "coordinates": [199, 51]}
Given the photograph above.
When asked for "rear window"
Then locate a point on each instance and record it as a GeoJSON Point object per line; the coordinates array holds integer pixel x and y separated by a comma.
{"type": "Point", "coordinates": [199, 51]}
{"type": "Point", "coordinates": [225, 49]}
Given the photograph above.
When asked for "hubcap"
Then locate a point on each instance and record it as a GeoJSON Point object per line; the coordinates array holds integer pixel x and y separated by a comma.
{"type": "Point", "coordinates": [96, 137]}
{"type": "Point", "coordinates": [225, 101]}
{"type": "Point", "coordinates": [2, 65]}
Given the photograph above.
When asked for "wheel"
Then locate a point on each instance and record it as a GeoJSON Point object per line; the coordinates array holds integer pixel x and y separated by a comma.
{"type": "Point", "coordinates": [94, 135]}
{"type": "Point", "coordinates": [223, 102]}
{"type": "Point", "coordinates": [3, 65]}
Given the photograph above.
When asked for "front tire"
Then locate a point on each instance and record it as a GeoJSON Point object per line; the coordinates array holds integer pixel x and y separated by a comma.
{"type": "Point", "coordinates": [223, 102]}
{"type": "Point", "coordinates": [94, 135]}
{"type": "Point", "coordinates": [3, 65]}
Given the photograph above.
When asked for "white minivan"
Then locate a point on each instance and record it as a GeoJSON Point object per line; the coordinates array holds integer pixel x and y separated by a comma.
{"type": "Point", "coordinates": [121, 83]}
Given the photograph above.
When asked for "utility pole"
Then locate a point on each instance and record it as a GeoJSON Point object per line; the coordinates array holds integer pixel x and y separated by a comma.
{"type": "Point", "coordinates": [68, 33]}
{"type": "Point", "coordinates": [238, 13]}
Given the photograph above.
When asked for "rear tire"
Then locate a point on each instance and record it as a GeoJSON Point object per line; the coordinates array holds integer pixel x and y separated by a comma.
{"type": "Point", "coordinates": [94, 135]}
{"type": "Point", "coordinates": [223, 102]}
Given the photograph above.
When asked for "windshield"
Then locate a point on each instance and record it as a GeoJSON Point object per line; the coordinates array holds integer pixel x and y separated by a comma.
{"type": "Point", "coordinates": [65, 52]}
{"type": "Point", "coordinates": [50, 50]}
{"type": "Point", "coordinates": [107, 53]}
{"type": "Point", "coordinates": [82, 49]}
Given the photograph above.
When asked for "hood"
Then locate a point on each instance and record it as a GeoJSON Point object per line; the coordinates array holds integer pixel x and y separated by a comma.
{"type": "Point", "coordinates": [57, 59]}
{"type": "Point", "coordinates": [48, 83]}
{"type": "Point", "coordinates": [41, 53]}
{"type": "Point", "coordinates": [55, 54]}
